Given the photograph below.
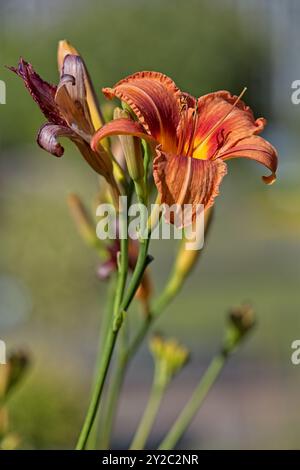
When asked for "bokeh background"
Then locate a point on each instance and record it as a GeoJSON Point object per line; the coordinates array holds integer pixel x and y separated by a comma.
{"type": "Point", "coordinates": [50, 298]}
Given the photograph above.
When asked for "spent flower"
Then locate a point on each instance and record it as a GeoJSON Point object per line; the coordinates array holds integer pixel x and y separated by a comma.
{"type": "Point", "coordinates": [71, 109]}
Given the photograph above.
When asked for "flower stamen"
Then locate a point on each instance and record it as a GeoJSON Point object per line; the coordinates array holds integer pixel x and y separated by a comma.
{"type": "Point", "coordinates": [218, 123]}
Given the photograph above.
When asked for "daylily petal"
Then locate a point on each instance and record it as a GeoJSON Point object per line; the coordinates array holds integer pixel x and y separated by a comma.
{"type": "Point", "coordinates": [258, 149]}
{"type": "Point", "coordinates": [222, 123]}
{"type": "Point", "coordinates": [48, 135]}
{"type": "Point", "coordinates": [71, 97]}
{"type": "Point", "coordinates": [155, 99]}
{"type": "Point", "coordinates": [99, 161]}
{"type": "Point", "coordinates": [64, 49]}
{"type": "Point", "coordinates": [42, 92]}
{"type": "Point", "coordinates": [47, 140]}
{"type": "Point", "coordinates": [122, 126]}
{"type": "Point", "coordinates": [185, 180]}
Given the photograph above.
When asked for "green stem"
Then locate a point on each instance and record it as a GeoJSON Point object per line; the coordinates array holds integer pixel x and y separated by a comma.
{"type": "Point", "coordinates": [105, 325]}
{"type": "Point", "coordinates": [109, 344]}
{"type": "Point", "coordinates": [97, 391]}
{"type": "Point", "coordinates": [113, 393]}
{"type": "Point", "coordinates": [107, 319]}
{"type": "Point", "coordinates": [188, 413]}
{"type": "Point", "coordinates": [141, 264]}
{"type": "Point", "coordinates": [150, 413]}
{"type": "Point", "coordinates": [140, 267]}
{"type": "Point", "coordinates": [119, 372]}
{"type": "Point", "coordinates": [172, 288]}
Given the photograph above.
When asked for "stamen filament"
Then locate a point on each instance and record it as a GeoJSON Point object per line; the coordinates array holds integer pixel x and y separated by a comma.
{"type": "Point", "coordinates": [221, 120]}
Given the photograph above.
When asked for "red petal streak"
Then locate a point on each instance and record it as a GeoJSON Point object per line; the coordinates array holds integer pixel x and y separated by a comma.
{"type": "Point", "coordinates": [122, 126]}
{"type": "Point", "coordinates": [155, 100]}
{"type": "Point", "coordinates": [42, 92]}
{"type": "Point", "coordinates": [238, 124]}
{"type": "Point", "coordinates": [185, 180]}
{"type": "Point", "coordinates": [258, 149]}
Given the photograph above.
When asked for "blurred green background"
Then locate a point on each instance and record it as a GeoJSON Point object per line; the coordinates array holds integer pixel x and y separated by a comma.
{"type": "Point", "coordinates": [50, 299]}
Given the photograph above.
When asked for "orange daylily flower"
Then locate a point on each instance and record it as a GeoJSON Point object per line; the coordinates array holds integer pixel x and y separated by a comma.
{"type": "Point", "coordinates": [193, 137]}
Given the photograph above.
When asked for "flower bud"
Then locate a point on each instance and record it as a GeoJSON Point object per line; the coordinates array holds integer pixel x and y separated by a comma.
{"type": "Point", "coordinates": [242, 318]}
{"type": "Point", "coordinates": [84, 223]}
{"type": "Point", "coordinates": [169, 357]}
{"type": "Point", "coordinates": [132, 150]}
{"type": "Point", "coordinates": [187, 259]}
{"type": "Point", "coordinates": [64, 49]}
{"type": "Point", "coordinates": [241, 321]}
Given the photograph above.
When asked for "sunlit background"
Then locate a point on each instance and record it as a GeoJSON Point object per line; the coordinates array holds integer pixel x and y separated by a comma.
{"type": "Point", "coordinates": [50, 298]}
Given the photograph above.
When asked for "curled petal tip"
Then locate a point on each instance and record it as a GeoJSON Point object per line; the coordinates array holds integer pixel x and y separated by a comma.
{"type": "Point", "coordinates": [108, 93]}
{"type": "Point", "coordinates": [269, 179]}
{"type": "Point", "coordinates": [48, 135]}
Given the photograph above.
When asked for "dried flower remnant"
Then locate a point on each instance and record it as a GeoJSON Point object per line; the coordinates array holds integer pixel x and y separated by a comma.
{"type": "Point", "coordinates": [70, 108]}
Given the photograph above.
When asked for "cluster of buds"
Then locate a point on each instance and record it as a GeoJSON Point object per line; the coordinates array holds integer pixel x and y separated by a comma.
{"type": "Point", "coordinates": [169, 358]}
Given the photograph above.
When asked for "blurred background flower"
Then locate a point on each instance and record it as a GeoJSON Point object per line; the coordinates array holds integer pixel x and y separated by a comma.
{"type": "Point", "coordinates": [50, 297]}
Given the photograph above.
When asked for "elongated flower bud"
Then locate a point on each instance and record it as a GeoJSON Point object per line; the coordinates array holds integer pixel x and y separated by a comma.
{"type": "Point", "coordinates": [187, 259]}
{"type": "Point", "coordinates": [64, 49]}
{"type": "Point", "coordinates": [132, 150]}
{"type": "Point", "coordinates": [84, 223]}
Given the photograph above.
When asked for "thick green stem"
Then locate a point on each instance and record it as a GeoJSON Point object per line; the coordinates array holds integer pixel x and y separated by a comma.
{"type": "Point", "coordinates": [97, 390]}
{"type": "Point", "coordinates": [111, 402]}
{"type": "Point", "coordinates": [109, 344]}
{"type": "Point", "coordinates": [150, 413]}
{"type": "Point", "coordinates": [119, 372]}
{"type": "Point", "coordinates": [105, 325]}
{"type": "Point", "coordinates": [170, 291]}
{"type": "Point", "coordinates": [140, 267]}
{"type": "Point", "coordinates": [195, 402]}
{"type": "Point", "coordinates": [141, 264]}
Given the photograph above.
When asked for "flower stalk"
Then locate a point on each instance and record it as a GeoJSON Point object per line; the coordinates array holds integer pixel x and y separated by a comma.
{"type": "Point", "coordinates": [169, 358]}
{"type": "Point", "coordinates": [182, 268]}
{"type": "Point", "coordinates": [110, 342]}
{"type": "Point", "coordinates": [142, 262]}
{"type": "Point", "coordinates": [240, 322]}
